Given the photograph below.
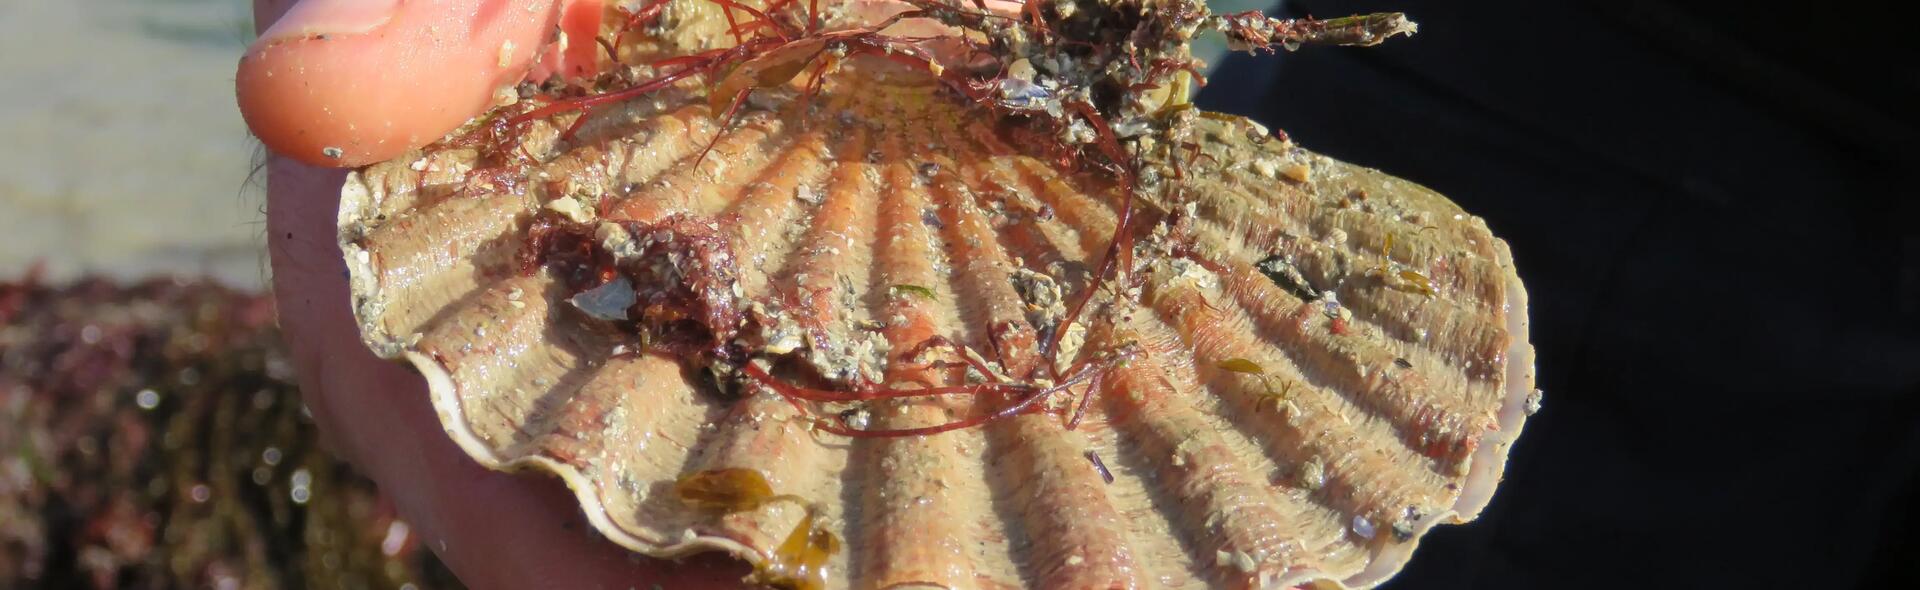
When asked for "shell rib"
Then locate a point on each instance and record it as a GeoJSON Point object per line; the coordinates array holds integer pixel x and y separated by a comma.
{"type": "Point", "coordinates": [1296, 413]}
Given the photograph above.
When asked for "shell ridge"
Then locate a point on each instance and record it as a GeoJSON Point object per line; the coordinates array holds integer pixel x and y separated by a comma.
{"type": "Point", "coordinates": [1258, 221]}
{"type": "Point", "coordinates": [839, 236]}
{"type": "Point", "coordinates": [1211, 477]}
{"type": "Point", "coordinates": [1447, 423]}
{"type": "Point", "coordinates": [655, 146]}
{"type": "Point", "coordinates": [424, 273]}
{"type": "Point", "coordinates": [918, 536]}
{"type": "Point", "coordinates": [682, 187]}
{"type": "Point", "coordinates": [1491, 462]}
{"type": "Point", "coordinates": [1355, 367]}
{"type": "Point", "coordinates": [1249, 222]}
{"type": "Point", "coordinates": [494, 340]}
{"type": "Point", "coordinates": [1320, 412]}
{"type": "Point", "coordinates": [1308, 253]}
{"type": "Point", "coordinates": [1192, 323]}
{"type": "Point", "coordinates": [1066, 516]}
{"type": "Point", "coordinates": [649, 454]}
{"type": "Point", "coordinates": [1050, 188]}
{"type": "Point", "coordinates": [1300, 451]}
{"type": "Point", "coordinates": [762, 433]}
{"type": "Point", "coordinates": [1039, 253]}
{"type": "Point", "coordinates": [888, 213]}
{"type": "Point", "coordinates": [1197, 419]}
{"type": "Point", "coordinates": [788, 455]}
{"type": "Point", "coordinates": [761, 223]}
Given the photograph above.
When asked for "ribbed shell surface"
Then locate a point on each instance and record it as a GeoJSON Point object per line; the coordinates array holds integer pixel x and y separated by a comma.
{"type": "Point", "coordinates": [1327, 361]}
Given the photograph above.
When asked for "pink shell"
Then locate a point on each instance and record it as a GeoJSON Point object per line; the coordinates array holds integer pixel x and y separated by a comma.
{"type": "Point", "coordinates": [1328, 361]}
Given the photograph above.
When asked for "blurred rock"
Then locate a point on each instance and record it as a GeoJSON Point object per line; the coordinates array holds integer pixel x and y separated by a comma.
{"type": "Point", "coordinates": [151, 436]}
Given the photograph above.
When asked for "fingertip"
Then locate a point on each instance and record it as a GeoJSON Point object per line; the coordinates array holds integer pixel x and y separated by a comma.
{"type": "Point", "coordinates": [577, 55]}
{"type": "Point", "coordinates": [329, 17]}
{"type": "Point", "coordinates": [363, 96]}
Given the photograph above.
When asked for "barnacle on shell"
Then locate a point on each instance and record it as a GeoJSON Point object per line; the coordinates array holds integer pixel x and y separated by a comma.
{"type": "Point", "coordinates": [1302, 365]}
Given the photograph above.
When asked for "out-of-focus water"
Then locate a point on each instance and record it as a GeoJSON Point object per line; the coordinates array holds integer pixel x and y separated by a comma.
{"type": "Point", "coordinates": [121, 150]}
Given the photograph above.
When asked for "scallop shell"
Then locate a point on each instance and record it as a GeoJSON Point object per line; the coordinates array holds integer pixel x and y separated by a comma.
{"type": "Point", "coordinates": [1326, 361]}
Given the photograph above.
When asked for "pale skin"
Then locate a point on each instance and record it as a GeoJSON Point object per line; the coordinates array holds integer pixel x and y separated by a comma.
{"type": "Point", "coordinates": [388, 77]}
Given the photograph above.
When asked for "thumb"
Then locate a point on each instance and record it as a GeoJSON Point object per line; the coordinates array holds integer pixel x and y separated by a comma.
{"type": "Point", "coordinates": [351, 82]}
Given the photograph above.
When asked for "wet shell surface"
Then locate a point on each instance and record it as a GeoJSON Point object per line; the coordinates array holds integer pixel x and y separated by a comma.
{"type": "Point", "coordinates": [1307, 364]}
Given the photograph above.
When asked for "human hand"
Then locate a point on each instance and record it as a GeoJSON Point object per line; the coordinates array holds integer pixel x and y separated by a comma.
{"type": "Point", "coordinates": [390, 76]}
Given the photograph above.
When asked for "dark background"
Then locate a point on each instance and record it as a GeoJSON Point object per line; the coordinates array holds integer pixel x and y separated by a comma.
{"type": "Point", "coordinates": [1712, 208]}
